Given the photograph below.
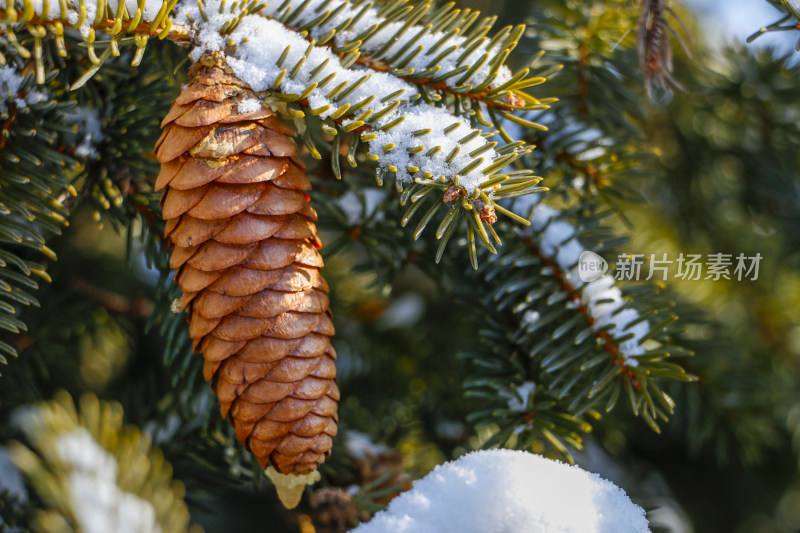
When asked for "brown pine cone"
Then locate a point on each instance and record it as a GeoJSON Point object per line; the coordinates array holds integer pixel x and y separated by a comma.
{"type": "Point", "coordinates": [245, 255]}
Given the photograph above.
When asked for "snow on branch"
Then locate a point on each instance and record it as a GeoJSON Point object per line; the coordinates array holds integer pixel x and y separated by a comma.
{"type": "Point", "coordinates": [447, 47]}
{"type": "Point", "coordinates": [607, 314]}
{"type": "Point", "coordinates": [11, 90]}
{"type": "Point", "coordinates": [389, 101]}
{"type": "Point", "coordinates": [588, 343]}
{"type": "Point", "coordinates": [504, 490]}
{"type": "Point", "coordinates": [139, 18]}
{"type": "Point", "coordinates": [98, 503]}
{"type": "Point", "coordinates": [409, 138]}
{"type": "Point", "coordinates": [83, 14]}
{"type": "Point", "coordinates": [108, 478]}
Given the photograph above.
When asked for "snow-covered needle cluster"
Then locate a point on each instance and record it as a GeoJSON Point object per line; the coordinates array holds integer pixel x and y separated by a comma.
{"type": "Point", "coordinates": [83, 14]}
{"type": "Point", "coordinates": [425, 90]}
{"type": "Point", "coordinates": [557, 242]}
{"type": "Point", "coordinates": [98, 504]}
{"type": "Point", "coordinates": [117, 19]}
{"type": "Point", "coordinates": [433, 49]}
{"type": "Point", "coordinates": [407, 137]}
{"type": "Point", "coordinates": [95, 474]}
{"type": "Point", "coordinates": [11, 82]}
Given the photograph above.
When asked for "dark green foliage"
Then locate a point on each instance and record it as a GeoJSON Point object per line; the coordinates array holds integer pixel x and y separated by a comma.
{"type": "Point", "coordinates": [14, 513]}
{"type": "Point", "coordinates": [712, 169]}
{"type": "Point", "coordinates": [34, 174]}
{"type": "Point", "coordinates": [547, 339]}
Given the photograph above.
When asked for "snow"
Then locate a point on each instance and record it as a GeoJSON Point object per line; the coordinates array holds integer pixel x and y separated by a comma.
{"type": "Point", "coordinates": [391, 32]}
{"type": "Point", "coordinates": [519, 402]}
{"type": "Point", "coordinates": [53, 7]}
{"type": "Point", "coordinates": [505, 491]}
{"type": "Point", "coordinates": [249, 105]}
{"type": "Point", "coordinates": [10, 84]}
{"type": "Point", "coordinates": [555, 234]}
{"type": "Point", "coordinates": [359, 445]}
{"type": "Point", "coordinates": [424, 117]}
{"type": "Point", "coordinates": [90, 130]}
{"type": "Point", "coordinates": [11, 478]}
{"type": "Point", "coordinates": [557, 242]}
{"type": "Point", "coordinates": [530, 317]}
{"type": "Point", "coordinates": [150, 11]}
{"type": "Point", "coordinates": [255, 49]}
{"type": "Point", "coordinates": [98, 504]}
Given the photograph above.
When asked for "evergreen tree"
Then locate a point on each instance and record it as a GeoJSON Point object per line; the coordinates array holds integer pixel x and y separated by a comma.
{"type": "Point", "coordinates": [191, 164]}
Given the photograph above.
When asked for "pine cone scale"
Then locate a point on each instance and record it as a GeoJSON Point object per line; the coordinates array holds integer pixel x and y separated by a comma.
{"type": "Point", "coordinates": [246, 256]}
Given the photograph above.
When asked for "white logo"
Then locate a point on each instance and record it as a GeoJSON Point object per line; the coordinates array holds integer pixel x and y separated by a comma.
{"type": "Point", "coordinates": [591, 266]}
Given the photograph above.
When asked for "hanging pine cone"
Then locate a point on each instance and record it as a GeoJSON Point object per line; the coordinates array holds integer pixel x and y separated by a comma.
{"type": "Point", "coordinates": [245, 256]}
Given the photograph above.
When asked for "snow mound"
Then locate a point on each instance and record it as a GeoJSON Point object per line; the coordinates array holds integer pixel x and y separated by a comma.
{"type": "Point", "coordinates": [505, 491]}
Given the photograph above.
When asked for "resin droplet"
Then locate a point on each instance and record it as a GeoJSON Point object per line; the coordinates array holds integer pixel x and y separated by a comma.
{"type": "Point", "coordinates": [290, 487]}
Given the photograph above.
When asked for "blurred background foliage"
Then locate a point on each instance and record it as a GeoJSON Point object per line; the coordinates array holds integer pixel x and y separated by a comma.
{"type": "Point", "coordinates": [711, 168]}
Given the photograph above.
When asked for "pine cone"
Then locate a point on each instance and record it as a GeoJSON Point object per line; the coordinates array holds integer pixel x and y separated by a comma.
{"type": "Point", "coordinates": [245, 256]}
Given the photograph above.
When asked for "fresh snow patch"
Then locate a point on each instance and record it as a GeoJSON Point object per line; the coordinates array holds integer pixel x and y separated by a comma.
{"type": "Point", "coordinates": [249, 105]}
{"type": "Point", "coordinates": [505, 491]}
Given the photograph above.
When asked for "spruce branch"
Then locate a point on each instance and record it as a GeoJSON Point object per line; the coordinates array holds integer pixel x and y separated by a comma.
{"type": "Point", "coordinates": [89, 468]}
{"type": "Point", "coordinates": [150, 18]}
{"type": "Point", "coordinates": [458, 156]}
{"type": "Point", "coordinates": [586, 344]}
{"type": "Point", "coordinates": [711, 418]}
{"type": "Point", "coordinates": [789, 22]}
{"type": "Point", "coordinates": [391, 118]}
{"type": "Point", "coordinates": [446, 49]}
{"type": "Point", "coordinates": [34, 174]}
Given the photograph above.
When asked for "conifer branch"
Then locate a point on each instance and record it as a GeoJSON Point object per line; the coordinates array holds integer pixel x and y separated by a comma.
{"type": "Point", "coordinates": [574, 296]}
{"type": "Point", "coordinates": [587, 345]}
{"type": "Point", "coordinates": [35, 174]}
{"type": "Point", "coordinates": [790, 22]}
{"type": "Point", "coordinates": [459, 155]}
{"type": "Point", "coordinates": [460, 162]}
